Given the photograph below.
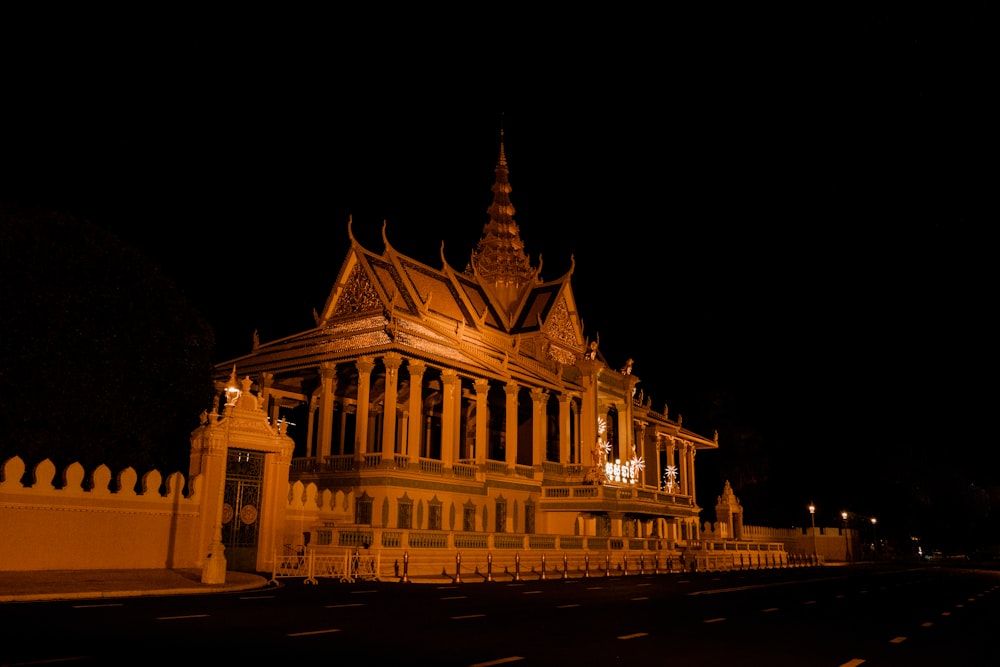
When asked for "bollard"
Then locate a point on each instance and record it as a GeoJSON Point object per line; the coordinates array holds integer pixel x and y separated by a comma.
{"type": "Point", "coordinates": [542, 578]}
{"type": "Point", "coordinates": [565, 569]}
{"type": "Point", "coordinates": [607, 565]}
{"type": "Point", "coordinates": [625, 565]}
{"type": "Point", "coordinates": [642, 565]}
{"type": "Point", "coordinates": [406, 566]}
{"type": "Point", "coordinates": [586, 566]}
{"type": "Point", "coordinates": [489, 567]}
{"type": "Point", "coordinates": [458, 568]}
{"type": "Point", "coordinates": [656, 564]}
{"type": "Point", "coordinates": [517, 567]}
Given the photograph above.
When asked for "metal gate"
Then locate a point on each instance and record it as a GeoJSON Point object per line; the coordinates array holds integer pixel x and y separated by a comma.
{"type": "Point", "coordinates": [241, 508]}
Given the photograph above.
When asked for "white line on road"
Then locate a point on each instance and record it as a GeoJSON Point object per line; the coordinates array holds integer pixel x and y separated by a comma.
{"type": "Point", "coordinates": [350, 604]}
{"type": "Point", "coordinates": [715, 620]}
{"type": "Point", "coordinates": [567, 606]}
{"type": "Point", "coordinates": [456, 618]}
{"type": "Point", "coordinates": [633, 636]}
{"type": "Point", "coordinates": [501, 661]}
{"type": "Point", "coordinates": [313, 632]}
{"type": "Point", "coordinates": [926, 624]}
{"type": "Point", "coordinates": [897, 640]}
{"type": "Point", "coordinates": [174, 618]}
{"type": "Point", "coordinates": [853, 663]}
{"type": "Point", "coordinates": [455, 597]}
{"type": "Point", "coordinates": [530, 592]}
{"type": "Point", "coordinates": [770, 609]}
{"type": "Point", "coordinates": [639, 598]}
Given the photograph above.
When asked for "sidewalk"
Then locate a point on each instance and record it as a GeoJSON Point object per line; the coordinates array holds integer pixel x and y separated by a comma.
{"type": "Point", "coordinates": [26, 586]}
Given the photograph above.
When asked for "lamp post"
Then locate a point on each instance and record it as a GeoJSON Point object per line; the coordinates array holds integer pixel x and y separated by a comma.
{"type": "Point", "coordinates": [213, 570]}
{"type": "Point", "coordinates": [847, 538]}
{"type": "Point", "coordinates": [812, 519]}
{"type": "Point", "coordinates": [874, 539]}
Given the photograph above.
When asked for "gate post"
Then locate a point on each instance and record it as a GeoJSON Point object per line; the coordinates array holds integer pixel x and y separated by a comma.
{"type": "Point", "coordinates": [543, 568]}
{"type": "Point", "coordinates": [406, 567]}
{"type": "Point", "coordinates": [489, 566]}
{"type": "Point", "coordinates": [586, 566]}
{"type": "Point", "coordinates": [458, 568]}
{"type": "Point", "coordinates": [517, 567]}
{"type": "Point", "coordinates": [565, 570]}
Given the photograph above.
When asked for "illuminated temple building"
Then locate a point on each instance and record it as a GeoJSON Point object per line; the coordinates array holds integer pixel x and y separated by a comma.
{"type": "Point", "coordinates": [467, 408]}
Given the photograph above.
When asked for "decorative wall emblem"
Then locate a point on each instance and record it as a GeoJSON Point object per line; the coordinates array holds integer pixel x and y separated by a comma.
{"type": "Point", "coordinates": [248, 514]}
{"type": "Point", "coordinates": [227, 513]}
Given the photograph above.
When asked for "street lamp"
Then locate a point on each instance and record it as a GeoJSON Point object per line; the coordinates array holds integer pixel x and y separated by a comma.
{"type": "Point", "coordinates": [847, 539]}
{"type": "Point", "coordinates": [214, 568]}
{"type": "Point", "coordinates": [874, 538]}
{"type": "Point", "coordinates": [812, 518]}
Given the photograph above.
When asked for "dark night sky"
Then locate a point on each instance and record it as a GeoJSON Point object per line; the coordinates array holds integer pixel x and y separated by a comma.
{"type": "Point", "coordinates": [784, 225]}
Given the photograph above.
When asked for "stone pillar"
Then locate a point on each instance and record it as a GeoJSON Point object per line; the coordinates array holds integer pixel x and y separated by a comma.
{"type": "Point", "coordinates": [511, 389]}
{"type": "Point", "coordinates": [638, 449]}
{"type": "Point", "coordinates": [564, 428]}
{"type": "Point", "coordinates": [450, 386]}
{"type": "Point", "coordinates": [659, 465]}
{"type": "Point", "coordinates": [482, 420]}
{"type": "Point", "coordinates": [328, 382]}
{"type": "Point", "coordinates": [392, 363]}
{"type": "Point", "coordinates": [692, 450]}
{"type": "Point", "coordinates": [683, 469]}
{"type": "Point", "coordinates": [415, 420]}
{"type": "Point", "coordinates": [538, 407]}
{"type": "Point", "coordinates": [311, 427]}
{"type": "Point", "coordinates": [365, 367]}
{"type": "Point", "coordinates": [589, 411]}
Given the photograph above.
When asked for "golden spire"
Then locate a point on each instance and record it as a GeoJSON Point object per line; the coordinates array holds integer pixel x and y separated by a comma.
{"type": "Point", "coordinates": [500, 258]}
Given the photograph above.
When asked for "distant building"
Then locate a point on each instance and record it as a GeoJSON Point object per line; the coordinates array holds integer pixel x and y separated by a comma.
{"type": "Point", "coordinates": [471, 402]}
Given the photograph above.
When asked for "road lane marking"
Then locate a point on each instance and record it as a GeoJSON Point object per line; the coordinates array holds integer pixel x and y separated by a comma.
{"type": "Point", "coordinates": [530, 592]}
{"type": "Point", "coordinates": [313, 632]}
{"type": "Point", "coordinates": [809, 602]}
{"type": "Point", "coordinates": [715, 620]}
{"type": "Point", "coordinates": [853, 663]}
{"type": "Point", "coordinates": [633, 636]}
{"type": "Point", "coordinates": [639, 598]}
{"type": "Point", "coordinates": [457, 618]}
{"type": "Point", "coordinates": [513, 658]}
{"type": "Point", "coordinates": [567, 606]}
{"type": "Point", "coordinates": [770, 609]}
{"type": "Point", "coordinates": [362, 592]}
{"type": "Point", "coordinates": [897, 640]}
{"type": "Point", "coordinates": [174, 618]}
{"type": "Point", "coordinates": [455, 597]}
{"type": "Point", "coordinates": [349, 604]}
{"type": "Point", "coordinates": [946, 613]}
{"type": "Point", "coordinates": [926, 624]}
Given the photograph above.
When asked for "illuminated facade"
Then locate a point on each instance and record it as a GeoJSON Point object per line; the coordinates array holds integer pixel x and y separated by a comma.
{"type": "Point", "coordinates": [439, 400]}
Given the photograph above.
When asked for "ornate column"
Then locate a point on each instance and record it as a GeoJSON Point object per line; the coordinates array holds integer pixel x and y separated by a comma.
{"type": "Point", "coordinates": [482, 419]}
{"type": "Point", "coordinates": [365, 367]}
{"type": "Point", "coordinates": [538, 444]}
{"type": "Point", "coordinates": [564, 428]}
{"type": "Point", "coordinates": [683, 459]}
{"type": "Point", "coordinates": [328, 382]}
{"type": "Point", "coordinates": [311, 427]}
{"type": "Point", "coordinates": [638, 449]}
{"type": "Point", "coordinates": [392, 363]}
{"type": "Point", "coordinates": [691, 453]}
{"type": "Point", "coordinates": [449, 442]}
{"type": "Point", "coordinates": [415, 420]}
{"type": "Point", "coordinates": [510, 421]}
